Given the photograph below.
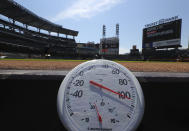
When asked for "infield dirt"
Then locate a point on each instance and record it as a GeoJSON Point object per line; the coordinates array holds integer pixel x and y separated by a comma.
{"type": "Point", "coordinates": [67, 65]}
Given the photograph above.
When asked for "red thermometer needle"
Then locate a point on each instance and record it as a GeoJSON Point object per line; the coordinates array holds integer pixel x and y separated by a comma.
{"type": "Point", "coordinates": [101, 86]}
{"type": "Point", "coordinates": [99, 117]}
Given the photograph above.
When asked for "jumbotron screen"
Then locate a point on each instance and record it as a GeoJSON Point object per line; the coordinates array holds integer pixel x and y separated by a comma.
{"type": "Point", "coordinates": [167, 34]}
{"type": "Point", "coordinates": [107, 46]}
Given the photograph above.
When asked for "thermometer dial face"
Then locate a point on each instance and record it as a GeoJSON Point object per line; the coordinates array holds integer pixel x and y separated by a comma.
{"type": "Point", "coordinates": [100, 95]}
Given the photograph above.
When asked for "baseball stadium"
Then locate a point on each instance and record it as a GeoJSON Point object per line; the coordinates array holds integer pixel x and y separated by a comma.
{"type": "Point", "coordinates": [37, 54]}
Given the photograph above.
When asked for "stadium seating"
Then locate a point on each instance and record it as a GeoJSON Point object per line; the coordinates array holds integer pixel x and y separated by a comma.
{"type": "Point", "coordinates": [14, 38]}
{"type": "Point", "coordinates": [21, 39]}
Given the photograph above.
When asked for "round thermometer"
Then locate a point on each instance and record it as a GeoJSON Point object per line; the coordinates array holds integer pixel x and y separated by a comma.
{"type": "Point", "coordinates": [100, 95]}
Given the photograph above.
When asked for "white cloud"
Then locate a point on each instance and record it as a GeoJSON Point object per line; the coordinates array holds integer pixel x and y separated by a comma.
{"type": "Point", "coordinates": [85, 9]}
{"type": "Point", "coordinates": [123, 50]}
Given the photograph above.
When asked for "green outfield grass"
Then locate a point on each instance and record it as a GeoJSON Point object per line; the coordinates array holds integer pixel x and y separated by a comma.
{"type": "Point", "coordinates": [44, 60]}
{"type": "Point", "coordinates": [70, 60]}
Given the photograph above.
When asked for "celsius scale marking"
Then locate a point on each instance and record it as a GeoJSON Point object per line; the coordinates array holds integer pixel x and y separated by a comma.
{"type": "Point", "coordinates": [100, 95]}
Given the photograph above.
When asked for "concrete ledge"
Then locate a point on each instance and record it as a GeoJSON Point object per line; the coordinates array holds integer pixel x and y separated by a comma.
{"type": "Point", "coordinates": [163, 77]}
{"type": "Point", "coordinates": [33, 74]}
{"type": "Point", "coordinates": [143, 77]}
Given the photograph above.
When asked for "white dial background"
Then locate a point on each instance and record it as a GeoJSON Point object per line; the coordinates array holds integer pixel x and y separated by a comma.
{"type": "Point", "coordinates": [80, 102]}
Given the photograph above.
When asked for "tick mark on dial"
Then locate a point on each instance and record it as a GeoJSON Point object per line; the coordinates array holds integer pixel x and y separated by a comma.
{"type": "Point", "coordinates": [71, 114]}
{"type": "Point", "coordinates": [128, 116]}
{"type": "Point", "coordinates": [67, 99]}
{"type": "Point", "coordinates": [81, 73]}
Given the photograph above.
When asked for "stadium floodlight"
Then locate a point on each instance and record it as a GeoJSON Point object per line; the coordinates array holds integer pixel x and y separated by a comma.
{"type": "Point", "coordinates": [117, 30]}
{"type": "Point", "coordinates": [104, 31]}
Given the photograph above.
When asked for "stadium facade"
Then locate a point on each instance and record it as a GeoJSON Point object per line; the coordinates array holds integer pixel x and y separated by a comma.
{"type": "Point", "coordinates": [21, 39]}
{"type": "Point", "coordinates": [23, 32]}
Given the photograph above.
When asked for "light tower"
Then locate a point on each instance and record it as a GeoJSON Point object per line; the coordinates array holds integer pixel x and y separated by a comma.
{"type": "Point", "coordinates": [188, 43]}
{"type": "Point", "coordinates": [103, 31]}
{"type": "Point", "coordinates": [117, 30]}
{"type": "Point", "coordinates": [102, 50]}
{"type": "Point", "coordinates": [117, 35]}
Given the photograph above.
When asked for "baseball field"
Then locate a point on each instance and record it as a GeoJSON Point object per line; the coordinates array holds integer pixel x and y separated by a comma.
{"type": "Point", "coordinates": [54, 64]}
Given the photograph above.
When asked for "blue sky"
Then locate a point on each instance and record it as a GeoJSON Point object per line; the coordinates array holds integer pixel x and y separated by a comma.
{"type": "Point", "coordinates": [88, 16]}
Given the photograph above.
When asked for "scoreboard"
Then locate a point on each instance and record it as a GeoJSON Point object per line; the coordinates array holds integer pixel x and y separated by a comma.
{"type": "Point", "coordinates": [109, 46]}
{"type": "Point", "coordinates": [106, 46]}
{"type": "Point", "coordinates": [163, 35]}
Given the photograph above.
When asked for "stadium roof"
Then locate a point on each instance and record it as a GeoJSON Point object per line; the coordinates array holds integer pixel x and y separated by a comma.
{"type": "Point", "coordinates": [13, 10]}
